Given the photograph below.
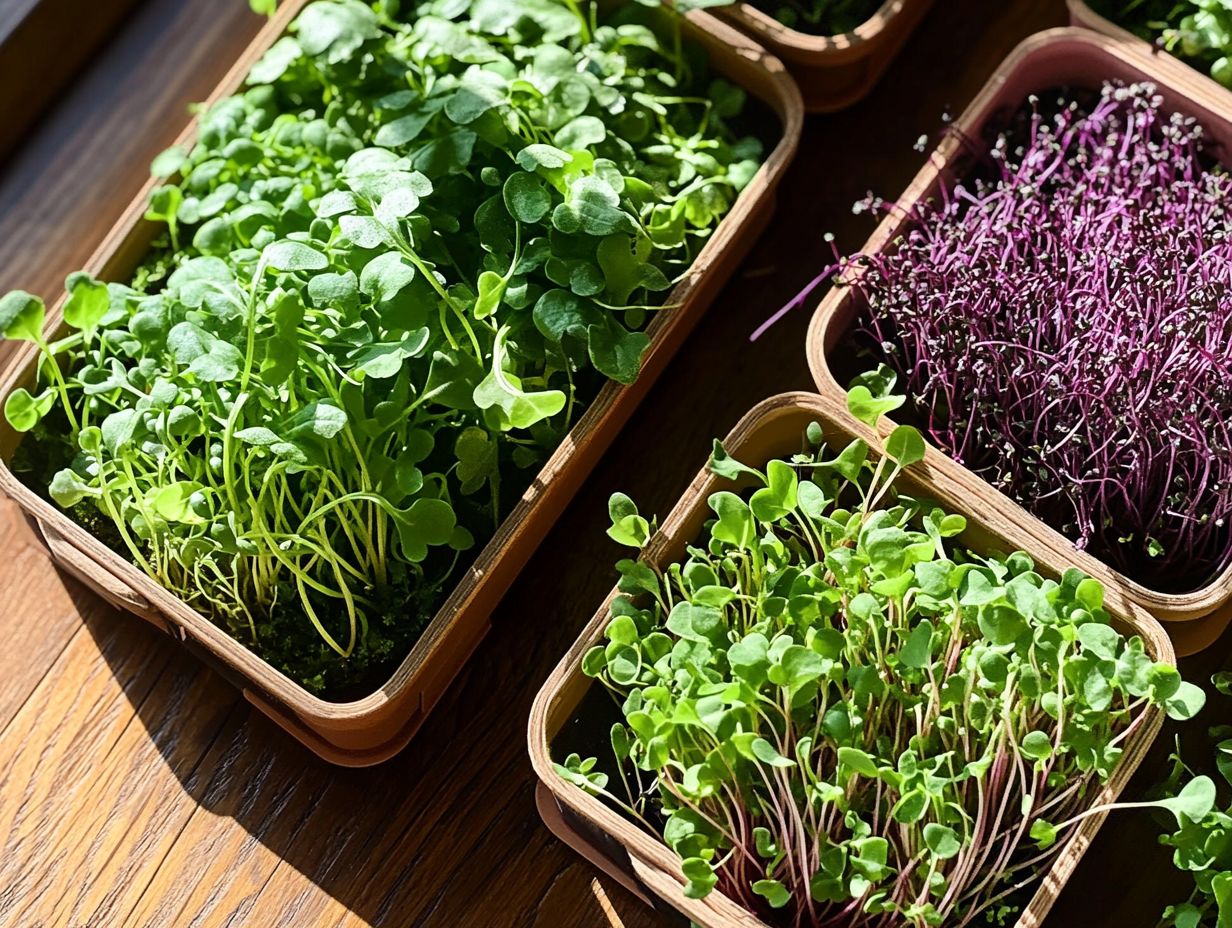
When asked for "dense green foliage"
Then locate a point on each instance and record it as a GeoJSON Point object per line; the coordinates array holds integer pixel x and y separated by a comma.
{"type": "Point", "coordinates": [1198, 31]}
{"type": "Point", "coordinates": [846, 717]}
{"type": "Point", "coordinates": [1203, 847]}
{"type": "Point", "coordinates": [397, 267]}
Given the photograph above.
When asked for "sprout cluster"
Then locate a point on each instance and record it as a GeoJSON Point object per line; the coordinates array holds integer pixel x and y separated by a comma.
{"type": "Point", "coordinates": [1063, 324]}
{"type": "Point", "coordinates": [845, 717]}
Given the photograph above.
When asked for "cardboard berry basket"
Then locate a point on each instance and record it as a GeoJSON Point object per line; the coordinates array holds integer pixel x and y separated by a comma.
{"type": "Point", "coordinates": [834, 71]}
{"type": "Point", "coordinates": [369, 730]}
{"type": "Point", "coordinates": [1052, 59]}
{"type": "Point", "coordinates": [642, 861]}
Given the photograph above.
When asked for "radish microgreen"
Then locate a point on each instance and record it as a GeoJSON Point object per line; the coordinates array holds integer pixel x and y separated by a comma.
{"type": "Point", "coordinates": [842, 714]}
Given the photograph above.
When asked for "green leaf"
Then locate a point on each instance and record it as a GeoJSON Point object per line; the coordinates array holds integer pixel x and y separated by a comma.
{"type": "Point", "coordinates": [24, 411]}
{"type": "Point", "coordinates": [477, 459]}
{"type": "Point", "coordinates": [491, 292]}
{"type": "Point", "coordinates": [879, 382]}
{"type": "Point", "coordinates": [542, 156]}
{"type": "Point", "coordinates": [851, 460]}
{"type": "Point", "coordinates": [334, 30]}
{"type": "Point", "coordinates": [779, 496]}
{"type": "Point", "coordinates": [911, 808]}
{"type": "Point", "coordinates": [735, 525]}
{"type": "Point", "coordinates": [724, 465]}
{"type": "Point", "coordinates": [774, 892]}
{"type": "Point", "coordinates": [749, 658]}
{"type": "Point", "coordinates": [917, 649]}
{"type": "Point", "coordinates": [452, 379]}
{"type": "Point", "coordinates": [446, 154]}
{"type": "Point", "coordinates": [405, 129]}
{"type": "Point", "coordinates": [425, 523]}
{"type": "Point", "coordinates": [692, 622]}
{"type": "Point", "coordinates": [318, 419]}
{"type": "Point", "coordinates": [386, 276]}
{"type": "Point", "coordinates": [87, 303]}
{"type": "Point", "coordinates": [385, 359]}
{"type": "Point", "coordinates": [978, 590]}
{"type": "Point", "coordinates": [289, 256]}
{"type": "Point", "coordinates": [867, 408]}
{"type": "Point", "coordinates": [526, 197]}
{"type": "Point", "coordinates": [518, 409]}
{"type": "Point", "coordinates": [1036, 745]}
{"type": "Point", "coordinates": [118, 429]}
{"type": "Point", "coordinates": [1002, 625]}
{"type": "Point", "coordinates": [581, 132]}
{"type": "Point", "coordinates": [767, 753]}
{"type": "Point", "coordinates": [1193, 803]}
{"type": "Point", "coordinates": [174, 502]}
{"type": "Point", "coordinates": [271, 66]}
{"type": "Point", "coordinates": [559, 312]}
{"type": "Point", "coordinates": [1185, 703]}
{"type": "Point", "coordinates": [905, 445]}
{"type": "Point", "coordinates": [168, 162]}
{"type": "Point", "coordinates": [67, 489]}
{"type": "Point", "coordinates": [1090, 593]}
{"type": "Point", "coordinates": [21, 316]}
{"type": "Point", "coordinates": [479, 91]}
{"type": "Point", "coordinates": [615, 351]}
{"type": "Point", "coordinates": [798, 666]}
{"type": "Point", "coordinates": [857, 761]}
{"type": "Point", "coordinates": [700, 876]}
{"type": "Point", "coordinates": [942, 841]}
{"type": "Point", "coordinates": [1043, 833]}
{"type": "Point", "coordinates": [595, 207]}
{"type": "Point", "coordinates": [1101, 640]}
{"type": "Point", "coordinates": [621, 265]}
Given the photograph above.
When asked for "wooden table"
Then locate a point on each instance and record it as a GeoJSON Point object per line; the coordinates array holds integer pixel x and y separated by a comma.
{"type": "Point", "coordinates": [137, 788]}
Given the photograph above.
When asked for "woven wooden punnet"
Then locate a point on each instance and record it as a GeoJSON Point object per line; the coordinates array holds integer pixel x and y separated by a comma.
{"type": "Point", "coordinates": [372, 729]}
{"type": "Point", "coordinates": [640, 860]}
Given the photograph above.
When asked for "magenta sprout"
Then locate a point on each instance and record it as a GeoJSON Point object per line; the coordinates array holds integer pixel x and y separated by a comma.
{"type": "Point", "coordinates": [1063, 323]}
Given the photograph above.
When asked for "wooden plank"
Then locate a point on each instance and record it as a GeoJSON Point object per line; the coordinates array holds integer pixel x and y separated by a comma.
{"type": "Point", "coordinates": [91, 866]}
{"type": "Point", "coordinates": [75, 173]}
{"type": "Point", "coordinates": [41, 610]}
{"type": "Point", "coordinates": [39, 57]}
{"type": "Point", "coordinates": [262, 793]}
{"type": "Point", "coordinates": [56, 745]}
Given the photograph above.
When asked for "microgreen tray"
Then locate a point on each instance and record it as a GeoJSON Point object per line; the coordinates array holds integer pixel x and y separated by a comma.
{"type": "Point", "coordinates": [1049, 60]}
{"type": "Point", "coordinates": [370, 729]}
{"type": "Point", "coordinates": [567, 714]}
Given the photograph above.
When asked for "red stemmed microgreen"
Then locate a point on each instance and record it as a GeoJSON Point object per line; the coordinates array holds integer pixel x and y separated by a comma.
{"type": "Point", "coordinates": [1062, 322]}
{"type": "Point", "coordinates": [845, 717]}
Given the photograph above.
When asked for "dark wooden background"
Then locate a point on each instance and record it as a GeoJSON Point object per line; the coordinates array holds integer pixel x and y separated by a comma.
{"type": "Point", "coordinates": [137, 788]}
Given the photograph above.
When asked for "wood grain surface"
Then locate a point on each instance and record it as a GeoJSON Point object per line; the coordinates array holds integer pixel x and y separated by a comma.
{"type": "Point", "coordinates": [32, 37]}
{"type": "Point", "coordinates": [137, 788]}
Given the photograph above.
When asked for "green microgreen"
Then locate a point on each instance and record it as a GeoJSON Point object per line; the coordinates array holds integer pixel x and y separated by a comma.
{"type": "Point", "coordinates": [1197, 31]}
{"type": "Point", "coordinates": [396, 269]}
{"type": "Point", "coordinates": [1202, 845]}
{"type": "Point", "coordinates": [841, 714]}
